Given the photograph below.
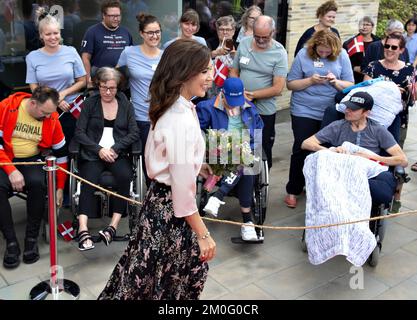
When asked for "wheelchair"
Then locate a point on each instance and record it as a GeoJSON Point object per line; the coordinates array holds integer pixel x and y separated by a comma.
{"type": "Point", "coordinates": [377, 226]}
{"type": "Point", "coordinates": [259, 200]}
{"type": "Point", "coordinates": [104, 201]}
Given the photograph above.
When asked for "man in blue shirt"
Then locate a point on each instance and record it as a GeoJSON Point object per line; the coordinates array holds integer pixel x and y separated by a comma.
{"type": "Point", "coordinates": [104, 42]}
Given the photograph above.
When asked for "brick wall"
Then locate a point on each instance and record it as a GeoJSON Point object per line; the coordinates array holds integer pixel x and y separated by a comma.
{"type": "Point", "coordinates": [302, 15]}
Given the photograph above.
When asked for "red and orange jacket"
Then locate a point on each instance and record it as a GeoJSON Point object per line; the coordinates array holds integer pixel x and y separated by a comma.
{"type": "Point", "coordinates": [52, 136]}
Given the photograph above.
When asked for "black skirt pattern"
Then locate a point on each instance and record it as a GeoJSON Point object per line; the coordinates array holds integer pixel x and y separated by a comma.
{"type": "Point", "coordinates": [161, 261]}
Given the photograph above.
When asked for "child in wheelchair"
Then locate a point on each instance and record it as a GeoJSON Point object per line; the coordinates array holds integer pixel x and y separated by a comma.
{"type": "Point", "coordinates": [230, 111]}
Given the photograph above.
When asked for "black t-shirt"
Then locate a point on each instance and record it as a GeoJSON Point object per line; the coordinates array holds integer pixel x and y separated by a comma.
{"type": "Point", "coordinates": [307, 35]}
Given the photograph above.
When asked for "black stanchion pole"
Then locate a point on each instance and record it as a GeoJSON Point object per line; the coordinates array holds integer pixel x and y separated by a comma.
{"type": "Point", "coordinates": [57, 286]}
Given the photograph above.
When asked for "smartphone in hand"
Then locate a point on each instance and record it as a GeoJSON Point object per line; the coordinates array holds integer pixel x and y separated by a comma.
{"type": "Point", "coordinates": [228, 44]}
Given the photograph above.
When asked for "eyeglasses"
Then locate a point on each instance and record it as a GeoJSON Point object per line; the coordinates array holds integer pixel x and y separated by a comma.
{"type": "Point", "coordinates": [387, 46]}
{"type": "Point", "coordinates": [105, 89]}
{"type": "Point", "coordinates": [263, 38]}
{"type": "Point", "coordinates": [156, 33]}
{"type": "Point", "coordinates": [114, 16]}
{"type": "Point", "coordinates": [225, 30]}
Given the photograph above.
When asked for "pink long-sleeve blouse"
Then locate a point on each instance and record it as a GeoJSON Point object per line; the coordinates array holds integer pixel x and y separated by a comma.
{"type": "Point", "coordinates": [174, 153]}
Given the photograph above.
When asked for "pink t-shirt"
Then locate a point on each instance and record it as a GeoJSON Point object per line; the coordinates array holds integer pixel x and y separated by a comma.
{"type": "Point", "coordinates": [174, 153]}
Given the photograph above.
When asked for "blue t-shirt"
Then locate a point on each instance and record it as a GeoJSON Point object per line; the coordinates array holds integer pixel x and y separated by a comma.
{"type": "Point", "coordinates": [141, 70]}
{"type": "Point", "coordinates": [58, 70]}
{"type": "Point", "coordinates": [411, 45]}
{"type": "Point", "coordinates": [196, 38]}
{"type": "Point", "coordinates": [313, 100]}
{"type": "Point", "coordinates": [105, 46]}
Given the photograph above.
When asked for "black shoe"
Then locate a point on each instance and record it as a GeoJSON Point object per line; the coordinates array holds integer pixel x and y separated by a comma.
{"type": "Point", "coordinates": [31, 252]}
{"type": "Point", "coordinates": [11, 256]}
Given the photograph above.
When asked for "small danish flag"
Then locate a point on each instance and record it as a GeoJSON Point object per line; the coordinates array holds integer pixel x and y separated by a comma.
{"type": "Point", "coordinates": [222, 71]}
{"type": "Point", "coordinates": [76, 106]}
{"type": "Point", "coordinates": [356, 45]}
{"type": "Point", "coordinates": [66, 230]}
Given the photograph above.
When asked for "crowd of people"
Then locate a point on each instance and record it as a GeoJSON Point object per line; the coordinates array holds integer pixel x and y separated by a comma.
{"type": "Point", "coordinates": [164, 95]}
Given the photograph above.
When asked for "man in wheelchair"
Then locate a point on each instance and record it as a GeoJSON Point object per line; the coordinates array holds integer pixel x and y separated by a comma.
{"type": "Point", "coordinates": [230, 111]}
{"type": "Point", "coordinates": [29, 126]}
{"type": "Point", "coordinates": [371, 141]}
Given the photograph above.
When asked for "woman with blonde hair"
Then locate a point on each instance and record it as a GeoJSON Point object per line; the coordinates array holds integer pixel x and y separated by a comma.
{"type": "Point", "coordinates": [246, 22]}
{"type": "Point", "coordinates": [318, 72]}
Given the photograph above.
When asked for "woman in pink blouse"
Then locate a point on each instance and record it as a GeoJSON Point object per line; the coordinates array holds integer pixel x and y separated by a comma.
{"type": "Point", "coordinates": [167, 255]}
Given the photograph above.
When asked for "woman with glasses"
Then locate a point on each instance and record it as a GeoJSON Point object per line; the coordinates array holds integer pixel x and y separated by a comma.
{"type": "Point", "coordinates": [365, 35]}
{"type": "Point", "coordinates": [168, 252]}
{"type": "Point", "coordinates": [246, 22]}
{"type": "Point", "coordinates": [189, 25]}
{"type": "Point", "coordinates": [318, 72]}
{"type": "Point", "coordinates": [326, 14]}
{"type": "Point", "coordinates": [105, 131]}
{"type": "Point", "coordinates": [391, 68]}
{"type": "Point", "coordinates": [141, 61]}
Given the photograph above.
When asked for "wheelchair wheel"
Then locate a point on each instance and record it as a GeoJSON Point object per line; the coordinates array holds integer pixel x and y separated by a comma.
{"type": "Point", "coordinates": [303, 242]}
{"type": "Point", "coordinates": [261, 194]}
{"type": "Point", "coordinates": [73, 189]}
{"type": "Point", "coordinates": [201, 196]}
{"type": "Point", "coordinates": [374, 257]}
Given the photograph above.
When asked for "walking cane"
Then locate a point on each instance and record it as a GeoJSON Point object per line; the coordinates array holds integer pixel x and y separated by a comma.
{"type": "Point", "coordinates": [56, 286]}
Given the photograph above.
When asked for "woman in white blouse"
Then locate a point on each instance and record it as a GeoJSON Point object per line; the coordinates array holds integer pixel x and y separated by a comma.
{"type": "Point", "coordinates": [167, 255]}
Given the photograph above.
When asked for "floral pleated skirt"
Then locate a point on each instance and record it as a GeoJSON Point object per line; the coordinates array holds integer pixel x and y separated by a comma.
{"type": "Point", "coordinates": [161, 261]}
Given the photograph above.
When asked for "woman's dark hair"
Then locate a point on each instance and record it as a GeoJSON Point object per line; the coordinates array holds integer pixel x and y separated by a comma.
{"type": "Point", "coordinates": [181, 61]}
{"type": "Point", "coordinates": [326, 7]}
{"type": "Point", "coordinates": [43, 93]}
{"type": "Point", "coordinates": [191, 16]}
{"type": "Point", "coordinates": [411, 20]}
{"type": "Point", "coordinates": [398, 37]}
{"type": "Point", "coordinates": [144, 19]}
{"type": "Point", "coordinates": [110, 4]}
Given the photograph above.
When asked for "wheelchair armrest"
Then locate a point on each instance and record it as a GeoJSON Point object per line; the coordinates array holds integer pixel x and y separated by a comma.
{"type": "Point", "coordinates": [74, 148]}
{"type": "Point", "coordinates": [401, 175]}
{"type": "Point", "coordinates": [136, 148]}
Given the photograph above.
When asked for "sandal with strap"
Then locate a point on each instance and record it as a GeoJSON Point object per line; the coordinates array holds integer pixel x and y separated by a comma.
{"type": "Point", "coordinates": [83, 236]}
{"type": "Point", "coordinates": [107, 234]}
{"type": "Point", "coordinates": [414, 167]}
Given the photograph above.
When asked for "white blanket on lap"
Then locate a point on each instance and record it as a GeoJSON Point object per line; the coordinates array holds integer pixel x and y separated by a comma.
{"type": "Point", "coordinates": [338, 191]}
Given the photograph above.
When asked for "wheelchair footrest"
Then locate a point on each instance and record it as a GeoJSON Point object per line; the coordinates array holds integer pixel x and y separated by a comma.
{"type": "Point", "coordinates": [239, 240]}
{"type": "Point", "coordinates": [126, 237]}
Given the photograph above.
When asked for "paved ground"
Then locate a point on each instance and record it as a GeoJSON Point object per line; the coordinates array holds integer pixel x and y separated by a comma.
{"type": "Point", "coordinates": [276, 269]}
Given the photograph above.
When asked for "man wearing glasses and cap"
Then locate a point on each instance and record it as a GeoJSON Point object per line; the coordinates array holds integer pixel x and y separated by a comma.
{"type": "Point", "coordinates": [230, 111]}
{"type": "Point", "coordinates": [262, 64]}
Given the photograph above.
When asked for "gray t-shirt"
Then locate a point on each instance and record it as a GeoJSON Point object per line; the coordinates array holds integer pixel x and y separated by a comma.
{"type": "Point", "coordinates": [58, 70]}
{"type": "Point", "coordinates": [257, 70]}
{"type": "Point", "coordinates": [374, 137]}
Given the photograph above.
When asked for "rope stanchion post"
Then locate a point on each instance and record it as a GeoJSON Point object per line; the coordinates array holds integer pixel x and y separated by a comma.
{"type": "Point", "coordinates": [57, 286]}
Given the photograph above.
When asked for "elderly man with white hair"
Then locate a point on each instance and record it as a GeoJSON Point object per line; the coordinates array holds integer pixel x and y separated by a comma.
{"type": "Point", "coordinates": [262, 64]}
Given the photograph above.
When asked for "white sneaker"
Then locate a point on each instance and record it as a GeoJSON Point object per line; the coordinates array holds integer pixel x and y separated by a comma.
{"type": "Point", "coordinates": [212, 206]}
{"type": "Point", "coordinates": [248, 232]}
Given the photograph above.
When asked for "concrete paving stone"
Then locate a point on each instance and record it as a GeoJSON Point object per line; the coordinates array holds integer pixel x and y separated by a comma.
{"type": "Point", "coordinates": [237, 273]}
{"type": "Point", "coordinates": [411, 247]}
{"type": "Point", "coordinates": [394, 268]}
{"type": "Point", "coordinates": [250, 292]}
{"type": "Point", "coordinates": [408, 221]}
{"type": "Point", "coordinates": [396, 235]}
{"type": "Point", "coordinates": [296, 281]}
{"type": "Point", "coordinates": [406, 290]}
{"type": "Point", "coordinates": [347, 287]}
{"type": "Point", "coordinates": [20, 290]}
{"type": "Point", "coordinates": [288, 253]}
{"type": "Point", "coordinates": [3, 282]}
{"type": "Point", "coordinates": [213, 289]}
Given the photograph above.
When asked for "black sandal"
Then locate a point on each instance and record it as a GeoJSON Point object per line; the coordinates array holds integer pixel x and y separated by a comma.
{"type": "Point", "coordinates": [107, 234]}
{"type": "Point", "coordinates": [83, 236]}
{"type": "Point", "coordinates": [414, 167]}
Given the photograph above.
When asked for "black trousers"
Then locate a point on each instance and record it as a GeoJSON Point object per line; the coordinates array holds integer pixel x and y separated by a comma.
{"type": "Point", "coordinates": [144, 127]}
{"type": "Point", "coordinates": [302, 129]}
{"type": "Point", "coordinates": [35, 187]}
{"type": "Point", "coordinates": [121, 170]}
{"type": "Point", "coordinates": [268, 136]}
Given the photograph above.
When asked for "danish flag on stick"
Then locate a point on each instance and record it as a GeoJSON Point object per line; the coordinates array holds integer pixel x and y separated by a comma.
{"type": "Point", "coordinates": [76, 106]}
{"type": "Point", "coordinates": [356, 45]}
{"type": "Point", "coordinates": [222, 71]}
{"type": "Point", "coordinates": [66, 230]}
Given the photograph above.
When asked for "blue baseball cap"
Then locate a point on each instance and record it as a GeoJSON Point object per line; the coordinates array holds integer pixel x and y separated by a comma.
{"type": "Point", "coordinates": [233, 92]}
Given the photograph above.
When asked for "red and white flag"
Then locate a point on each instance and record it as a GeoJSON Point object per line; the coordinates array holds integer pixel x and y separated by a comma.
{"type": "Point", "coordinates": [356, 45]}
{"type": "Point", "coordinates": [66, 230]}
{"type": "Point", "coordinates": [76, 106]}
{"type": "Point", "coordinates": [221, 72]}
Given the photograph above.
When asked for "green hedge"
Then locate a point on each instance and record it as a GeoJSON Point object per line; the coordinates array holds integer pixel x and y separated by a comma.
{"type": "Point", "coordinates": [398, 9]}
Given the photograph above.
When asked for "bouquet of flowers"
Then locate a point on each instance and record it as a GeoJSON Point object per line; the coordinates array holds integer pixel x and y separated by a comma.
{"type": "Point", "coordinates": [227, 152]}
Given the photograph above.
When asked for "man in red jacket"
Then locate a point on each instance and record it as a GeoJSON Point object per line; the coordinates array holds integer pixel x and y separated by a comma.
{"type": "Point", "coordinates": [29, 127]}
